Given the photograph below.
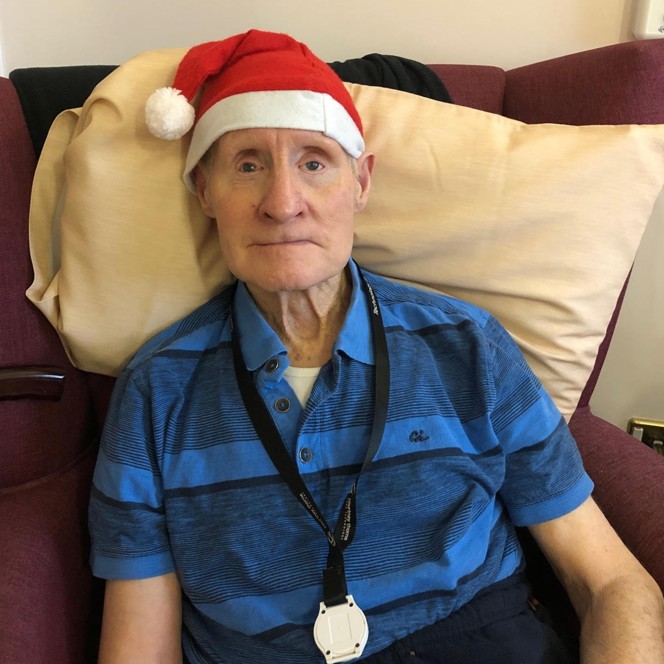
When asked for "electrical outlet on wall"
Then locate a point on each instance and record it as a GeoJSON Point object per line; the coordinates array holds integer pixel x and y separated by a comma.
{"type": "Point", "coordinates": [650, 432]}
{"type": "Point", "coordinates": [649, 19]}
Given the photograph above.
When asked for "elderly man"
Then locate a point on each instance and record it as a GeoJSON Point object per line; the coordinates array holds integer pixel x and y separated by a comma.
{"type": "Point", "coordinates": [320, 465]}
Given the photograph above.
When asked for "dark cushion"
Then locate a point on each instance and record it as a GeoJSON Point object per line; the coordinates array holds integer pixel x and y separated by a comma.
{"type": "Point", "coordinates": [45, 92]}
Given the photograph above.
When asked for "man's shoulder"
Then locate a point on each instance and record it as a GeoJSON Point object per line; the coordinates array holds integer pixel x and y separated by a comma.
{"type": "Point", "coordinates": [405, 300]}
{"type": "Point", "coordinates": [199, 331]}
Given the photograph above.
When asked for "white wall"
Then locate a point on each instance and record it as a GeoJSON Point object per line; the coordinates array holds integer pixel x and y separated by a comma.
{"type": "Point", "coordinates": [507, 33]}
{"type": "Point", "coordinates": [632, 380]}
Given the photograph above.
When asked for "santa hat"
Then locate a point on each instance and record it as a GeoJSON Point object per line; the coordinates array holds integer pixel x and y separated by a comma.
{"type": "Point", "coordinates": [256, 79]}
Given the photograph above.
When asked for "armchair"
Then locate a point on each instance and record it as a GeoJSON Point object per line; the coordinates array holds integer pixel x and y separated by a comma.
{"type": "Point", "coordinates": [51, 413]}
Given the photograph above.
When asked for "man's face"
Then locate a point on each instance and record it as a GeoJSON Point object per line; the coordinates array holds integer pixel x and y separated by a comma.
{"type": "Point", "coordinates": [284, 201]}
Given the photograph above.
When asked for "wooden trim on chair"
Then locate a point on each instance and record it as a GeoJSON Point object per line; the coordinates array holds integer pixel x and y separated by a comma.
{"type": "Point", "coordinates": [32, 382]}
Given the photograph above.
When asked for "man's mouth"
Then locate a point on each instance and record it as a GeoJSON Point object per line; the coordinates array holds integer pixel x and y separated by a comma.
{"type": "Point", "coordinates": [283, 242]}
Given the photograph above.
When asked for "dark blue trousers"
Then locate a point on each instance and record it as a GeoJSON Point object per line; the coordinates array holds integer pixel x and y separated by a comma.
{"type": "Point", "coordinates": [497, 627]}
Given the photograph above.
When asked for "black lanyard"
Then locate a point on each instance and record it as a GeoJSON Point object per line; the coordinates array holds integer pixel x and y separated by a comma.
{"type": "Point", "coordinates": [334, 577]}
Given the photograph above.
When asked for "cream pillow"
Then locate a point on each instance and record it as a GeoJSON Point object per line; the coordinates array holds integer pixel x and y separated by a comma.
{"type": "Point", "coordinates": [539, 224]}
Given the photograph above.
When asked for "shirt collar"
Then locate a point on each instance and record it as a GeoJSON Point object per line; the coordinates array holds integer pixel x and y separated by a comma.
{"type": "Point", "coordinates": [262, 343]}
{"type": "Point", "coordinates": [356, 336]}
{"type": "Point", "coordinates": [259, 342]}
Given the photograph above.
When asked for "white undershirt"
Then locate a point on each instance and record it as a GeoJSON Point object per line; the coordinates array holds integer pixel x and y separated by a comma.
{"type": "Point", "coordinates": [302, 379]}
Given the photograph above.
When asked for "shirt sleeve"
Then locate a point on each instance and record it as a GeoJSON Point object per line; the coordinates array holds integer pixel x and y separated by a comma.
{"type": "Point", "coordinates": [544, 473]}
{"type": "Point", "coordinates": [127, 518]}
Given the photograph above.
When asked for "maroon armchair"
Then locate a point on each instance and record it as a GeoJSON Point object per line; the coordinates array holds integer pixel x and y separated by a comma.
{"type": "Point", "coordinates": [51, 413]}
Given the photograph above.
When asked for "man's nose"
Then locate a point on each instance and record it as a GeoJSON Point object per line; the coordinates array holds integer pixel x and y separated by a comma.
{"type": "Point", "coordinates": [282, 200]}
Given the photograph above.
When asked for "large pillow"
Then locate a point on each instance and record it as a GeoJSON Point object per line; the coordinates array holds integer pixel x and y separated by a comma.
{"type": "Point", "coordinates": [539, 224]}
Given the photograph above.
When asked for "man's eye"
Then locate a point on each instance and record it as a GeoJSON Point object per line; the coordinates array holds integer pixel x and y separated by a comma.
{"type": "Point", "coordinates": [248, 167]}
{"type": "Point", "coordinates": [313, 166]}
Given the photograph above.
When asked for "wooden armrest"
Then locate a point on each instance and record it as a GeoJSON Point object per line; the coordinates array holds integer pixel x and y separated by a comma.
{"type": "Point", "coordinates": [31, 383]}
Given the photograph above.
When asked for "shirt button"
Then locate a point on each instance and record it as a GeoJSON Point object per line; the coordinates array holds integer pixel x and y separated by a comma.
{"type": "Point", "coordinates": [272, 365]}
{"type": "Point", "coordinates": [282, 405]}
{"type": "Point", "coordinates": [306, 455]}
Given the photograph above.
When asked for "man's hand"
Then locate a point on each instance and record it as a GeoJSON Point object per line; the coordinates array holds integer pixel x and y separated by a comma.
{"type": "Point", "coordinates": [619, 604]}
{"type": "Point", "coordinates": [142, 622]}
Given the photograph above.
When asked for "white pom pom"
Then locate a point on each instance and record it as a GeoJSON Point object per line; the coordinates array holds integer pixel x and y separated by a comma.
{"type": "Point", "coordinates": [168, 114]}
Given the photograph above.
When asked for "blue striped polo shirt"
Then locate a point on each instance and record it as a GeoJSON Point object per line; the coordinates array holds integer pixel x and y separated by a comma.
{"type": "Point", "coordinates": [472, 445]}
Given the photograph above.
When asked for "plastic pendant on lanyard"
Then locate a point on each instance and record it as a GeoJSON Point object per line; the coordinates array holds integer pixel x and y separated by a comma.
{"type": "Point", "coordinates": [341, 629]}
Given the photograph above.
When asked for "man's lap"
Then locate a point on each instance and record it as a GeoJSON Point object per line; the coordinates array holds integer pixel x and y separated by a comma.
{"type": "Point", "coordinates": [496, 627]}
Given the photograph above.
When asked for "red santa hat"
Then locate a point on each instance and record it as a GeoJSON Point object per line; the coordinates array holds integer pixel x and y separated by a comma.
{"type": "Point", "coordinates": [256, 79]}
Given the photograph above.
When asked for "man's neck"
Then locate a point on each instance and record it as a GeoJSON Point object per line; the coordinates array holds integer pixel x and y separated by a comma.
{"type": "Point", "coordinates": [307, 322]}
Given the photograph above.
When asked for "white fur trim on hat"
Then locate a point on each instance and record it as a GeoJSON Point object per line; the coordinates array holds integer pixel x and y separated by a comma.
{"type": "Point", "coordinates": [278, 109]}
{"type": "Point", "coordinates": [168, 114]}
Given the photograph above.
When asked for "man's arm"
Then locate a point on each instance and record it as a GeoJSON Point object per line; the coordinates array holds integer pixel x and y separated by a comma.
{"type": "Point", "coordinates": [142, 622]}
{"type": "Point", "coordinates": [619, 604]}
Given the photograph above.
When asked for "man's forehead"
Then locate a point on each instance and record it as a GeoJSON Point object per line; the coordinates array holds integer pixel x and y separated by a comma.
{"type": "Point", "coordinates": [269, 138]}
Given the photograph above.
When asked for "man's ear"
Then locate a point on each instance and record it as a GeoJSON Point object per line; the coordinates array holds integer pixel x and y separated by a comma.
{"type": "Point", "coordinates": [201, 177]}
{"type": "Point", "coordinates": [365, 166]}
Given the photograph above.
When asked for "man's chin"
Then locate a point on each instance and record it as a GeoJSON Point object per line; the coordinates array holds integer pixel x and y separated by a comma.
{"type": "Point", "coordinates": [293, 280]}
